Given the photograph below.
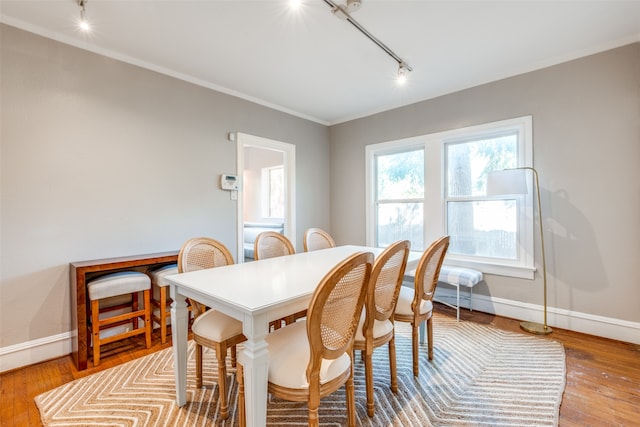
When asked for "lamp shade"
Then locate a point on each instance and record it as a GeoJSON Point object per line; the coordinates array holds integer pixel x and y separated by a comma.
{"type": "Point", "coordinates": [507, 181]}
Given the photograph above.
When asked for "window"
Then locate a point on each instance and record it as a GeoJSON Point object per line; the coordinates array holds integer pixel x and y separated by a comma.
{"type": "Point", "coordinates": [424, 187]}
{"type": "Point", "coordinates": [400, 197]}
{"type": "Point", "coordinates": [273, 192]}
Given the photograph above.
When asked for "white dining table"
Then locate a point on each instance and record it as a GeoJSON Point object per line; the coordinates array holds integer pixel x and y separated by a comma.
{"type": "Point", "coordinates": [255, 293]}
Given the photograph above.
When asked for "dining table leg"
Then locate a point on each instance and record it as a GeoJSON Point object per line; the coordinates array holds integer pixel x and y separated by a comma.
{"type": "Point", "coordinates": [179, 332]}
{"type": "Point", "coordinates": [255, 361]}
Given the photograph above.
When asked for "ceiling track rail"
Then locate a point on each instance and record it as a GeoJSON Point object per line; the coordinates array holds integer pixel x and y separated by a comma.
{"type": "Point", "coordinates": [340, 11]}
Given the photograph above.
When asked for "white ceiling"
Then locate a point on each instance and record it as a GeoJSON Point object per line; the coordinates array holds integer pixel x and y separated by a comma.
{"type": "Point", "coordinates": [316, 66]}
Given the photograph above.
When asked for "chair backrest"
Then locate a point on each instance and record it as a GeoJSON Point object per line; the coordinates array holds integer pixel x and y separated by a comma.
{"type": "Point", "coordinates": [386, 280]}
{"type": "Point", "coordinates": [315, 238]}
{"type": "Point", "coordinates": [428, 270]}
{"type": "Point", "coordinates": [270, 244]}
{"type": "Point", "coordinates": [334, 310]}
{"type": "Point", "coordinates": [201, 253]}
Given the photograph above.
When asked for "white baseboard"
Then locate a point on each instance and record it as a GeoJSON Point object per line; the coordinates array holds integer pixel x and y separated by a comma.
{"type": "Point", "coordinates": [607, 327]}
{"type": "Point", "coordinates": [28, 353]}
{"type": "Point", "coordinates": [35, 351]}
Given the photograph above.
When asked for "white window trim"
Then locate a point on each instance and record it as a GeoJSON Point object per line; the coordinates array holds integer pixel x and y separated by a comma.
{"type": "Point", "coordinates": [435, 218]}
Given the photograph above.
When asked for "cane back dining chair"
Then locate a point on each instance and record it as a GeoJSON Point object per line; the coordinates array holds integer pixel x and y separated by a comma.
{"type": "Point", "coordinates": [416, 305]}
{"type": "Point", "coordinates": [211, 328]}
{"type": "Point", "coordinates": [270, 244]}
{"type": "Point", "coordinates": [311, 359]}
{"type": "Point", "coordinates": [376, 323]}
{"type": "Point", "coordinates": [315, 238]}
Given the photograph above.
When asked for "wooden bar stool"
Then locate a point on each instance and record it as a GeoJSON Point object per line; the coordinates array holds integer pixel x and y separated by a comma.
{"type": "Point", "coordinates": [160, 298]}
{"type": "Point", "coordinates": [115, 285]}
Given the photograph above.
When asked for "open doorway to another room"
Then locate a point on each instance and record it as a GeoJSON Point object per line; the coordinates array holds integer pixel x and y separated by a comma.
{"type": "Point", "coordinates": [267, 197]}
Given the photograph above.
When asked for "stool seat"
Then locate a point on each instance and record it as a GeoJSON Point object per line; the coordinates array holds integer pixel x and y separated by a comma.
{"type": "Point", "coordinates": [160, 298]}
{"type": "Point", "coordinates": [158, 276]}
{"type": "Point", "coordinates": [456, 277]}
{"type": "Point", "coordinates": [121, 283]}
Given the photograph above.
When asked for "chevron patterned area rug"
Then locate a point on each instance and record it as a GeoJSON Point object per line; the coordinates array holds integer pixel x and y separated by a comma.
{"type": "Point", "coordinates": [480, 375]}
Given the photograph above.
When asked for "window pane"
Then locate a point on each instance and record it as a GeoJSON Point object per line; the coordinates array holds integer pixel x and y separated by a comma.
{"type": "Point", "coordinates": [400, 221]}
{"type": "Point", "coordinates": [276, 192]}
{"type": "Point", "coordinates": [469, 162]}
{"type": "Point", "coordinates": [484, 228]}
{"type": "Point", "coordinates": [401, 175]}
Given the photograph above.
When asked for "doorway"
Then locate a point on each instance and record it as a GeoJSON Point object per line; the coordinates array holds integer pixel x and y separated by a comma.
{"type": "Point", "coordinates": [267, 192]}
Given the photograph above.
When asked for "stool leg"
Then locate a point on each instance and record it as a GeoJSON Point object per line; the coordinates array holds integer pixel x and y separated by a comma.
{"type": "Point", "coordinates": [95, 329]}
{"type": "Point", "coordinates": [457, 302]}
{"type": "Point", "coordinates": [147, 317]}
{"type": "Point", "coordinates": [134, 307]}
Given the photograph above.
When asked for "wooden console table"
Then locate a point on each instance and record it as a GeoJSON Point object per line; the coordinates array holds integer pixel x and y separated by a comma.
{"type": "Point", "coordinates": [79, 271]}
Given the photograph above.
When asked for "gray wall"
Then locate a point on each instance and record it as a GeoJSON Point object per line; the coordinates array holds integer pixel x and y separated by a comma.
{"type": "Point", "coordinates": [586, 130]}
{"type": "Point", "coordinates": [103, 159]}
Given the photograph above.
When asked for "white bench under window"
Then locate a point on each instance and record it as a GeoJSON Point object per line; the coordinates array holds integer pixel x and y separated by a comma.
{"type": "Point", "coordinates": [457, 277]}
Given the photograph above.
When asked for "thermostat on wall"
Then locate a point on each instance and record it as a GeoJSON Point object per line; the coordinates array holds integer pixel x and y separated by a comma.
{"type": "Point", "coordinates": [229, 182]}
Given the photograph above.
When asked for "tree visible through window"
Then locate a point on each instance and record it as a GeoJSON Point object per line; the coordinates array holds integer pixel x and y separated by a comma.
{"type": "Point", "coordinates": [479, 226]}
{"type": "Point", "coordinates": [400, 198]}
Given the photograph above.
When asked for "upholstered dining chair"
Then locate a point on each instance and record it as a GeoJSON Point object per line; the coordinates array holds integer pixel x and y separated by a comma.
{"type": "Point", "coordinates": [311, 359]}
{"type": "Point", "coordinates": [211, 328]}
{"type": "Point", "coordinates": [270, 244]}
{"type": "Point", "coordinates": [376, 323]}
{"type": "Point", "coordinates": [315, 238]}
{"type": "Point", "coordinates": [416, 305]}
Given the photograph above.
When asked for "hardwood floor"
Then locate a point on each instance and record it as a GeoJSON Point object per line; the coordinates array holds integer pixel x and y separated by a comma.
{"type": "Point", "coordinates": [602, 385]}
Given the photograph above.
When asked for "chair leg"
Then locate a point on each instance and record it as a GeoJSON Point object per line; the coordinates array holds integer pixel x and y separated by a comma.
{"type": "Point", "coordinates": [393, 371]}
{"type": "Point", "coordinates": [430, 337]}
{"type": "Point", "coordinates": [368, 369]}
{"type": "Point", "coordinates": [242, 416]}
{"type": "Point", "coordinates": [313, 403]}
{"type": "Point", "coordinates": [95, 330]}
{"type": "Point", "coordinates": [198, 366]}
{"type": "Point", "coordinates": [414, 344]}
{"type": "Point", "coordinates": [234, 356]}
{"type": "Point", "coordinates": [221, 353]}
{"type": "Point", "coordinates": [148, 329]}
{"type": "Point", "coordinates": [351, 400]}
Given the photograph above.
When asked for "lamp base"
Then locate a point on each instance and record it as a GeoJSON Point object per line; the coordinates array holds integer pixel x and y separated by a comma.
{"type": "Point", "coordinates": [535, 328]}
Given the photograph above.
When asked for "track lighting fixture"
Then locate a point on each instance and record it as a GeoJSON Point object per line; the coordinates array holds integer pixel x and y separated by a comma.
{"type": "Point", "coordinates": [84, 23]}
{"type": "Point", "coordinates": [402, 73]}
{"type": "Point", "coordinates": [342, 12]}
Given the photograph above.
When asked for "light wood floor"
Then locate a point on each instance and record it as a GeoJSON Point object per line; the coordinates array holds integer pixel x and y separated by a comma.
{"type": "Point", "coordinates": [602, 387]}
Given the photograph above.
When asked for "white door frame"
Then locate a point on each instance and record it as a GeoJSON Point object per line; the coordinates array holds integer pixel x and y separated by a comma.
{"type": "Point", "coordinates": [243, 141]}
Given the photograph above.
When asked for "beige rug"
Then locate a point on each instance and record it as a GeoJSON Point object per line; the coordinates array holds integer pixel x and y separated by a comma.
{"type": "Point", "coordinates": [480, 375]}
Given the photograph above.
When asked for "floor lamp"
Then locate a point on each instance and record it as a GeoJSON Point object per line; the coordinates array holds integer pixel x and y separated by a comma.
{"type": "Point", "coordinates": [513, 181]}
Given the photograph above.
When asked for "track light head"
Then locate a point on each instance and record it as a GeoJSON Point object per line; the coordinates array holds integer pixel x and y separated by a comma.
{"type": "Point", "coordinates": [403, 71]}
{"type": "Point", "coordinates": [84, 23]}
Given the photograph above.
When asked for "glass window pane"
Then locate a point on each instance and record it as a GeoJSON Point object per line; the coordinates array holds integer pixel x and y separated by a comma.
{"type": "Point", "coordinates": [400, 221]}
{"type": "Point", "coordinates": [469, 162]}
{"type": "Point", "coordinates": [276, 192]}
{"type": "Point", "coordinates": [400, 175]}
{"type": "Point", "coordinates": [484, 228]}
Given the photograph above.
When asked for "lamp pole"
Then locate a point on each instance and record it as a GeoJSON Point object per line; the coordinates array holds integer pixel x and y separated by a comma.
{"type": "Point", "coordinates": [533, 327]}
